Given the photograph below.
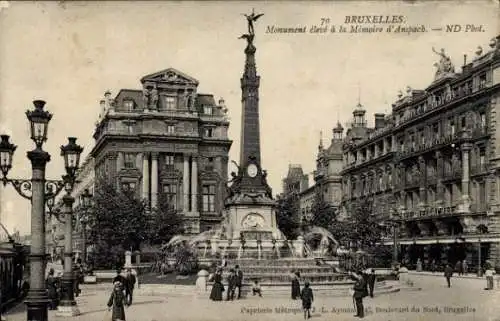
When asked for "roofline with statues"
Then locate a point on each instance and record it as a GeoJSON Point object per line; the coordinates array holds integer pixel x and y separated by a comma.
{"type": "Point", "coordinates": [445, 78]}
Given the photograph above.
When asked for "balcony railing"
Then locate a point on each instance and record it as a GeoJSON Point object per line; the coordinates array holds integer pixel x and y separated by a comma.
{"type": "Point", "coordinates": [429, 213]}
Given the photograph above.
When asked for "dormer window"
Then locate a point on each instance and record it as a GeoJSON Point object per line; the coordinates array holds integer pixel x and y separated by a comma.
{"type": "Point", "coordinates": [208, 110]}
{"type": "Point", "coordinates": [128, 105]}
{"type": "Point", "coordinates": [170, 103]}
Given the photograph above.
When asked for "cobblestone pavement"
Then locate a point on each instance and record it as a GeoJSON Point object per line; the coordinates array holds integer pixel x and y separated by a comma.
{"type": "Point", "coordinates": [466, 300]}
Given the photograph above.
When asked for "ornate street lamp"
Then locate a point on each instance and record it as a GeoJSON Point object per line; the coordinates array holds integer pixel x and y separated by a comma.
{"type": "Point", "coordinates": [86, 201]}
{"type": "Point", "coordinates": [395, 224]}
{"type": "Point", "coordinates": [40, 192]}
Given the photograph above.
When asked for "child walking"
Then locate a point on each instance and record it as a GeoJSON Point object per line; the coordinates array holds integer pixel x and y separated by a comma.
{"type": "Point", "coordinates": [117, 302]}
{"type": "Point", "coordinates": [307, 298]}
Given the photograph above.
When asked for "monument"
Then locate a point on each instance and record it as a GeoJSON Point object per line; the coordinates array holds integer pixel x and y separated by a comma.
{"type": "Point", "coordinates": [250, 208]}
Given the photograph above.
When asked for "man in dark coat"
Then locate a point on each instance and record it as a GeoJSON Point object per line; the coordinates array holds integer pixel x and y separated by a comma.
{"type": "Point", "coordinates": [129, 289]}
{"type": "Point", "coordinates": [231, 285]}
{"type": "Point", "coordinates": [359, 294]}
{"type": "Point", "coordinates": [371, 281]}
{"type": "Point", "coordinates": [239, 280]}
{"type": "Point", "coordinates": [119, 277]}
{"type": "Point", "coordinates": [448, 272]}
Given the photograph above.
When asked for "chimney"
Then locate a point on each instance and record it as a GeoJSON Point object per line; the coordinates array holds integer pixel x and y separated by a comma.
{"type": "Point", "coordinates": [379, 121]}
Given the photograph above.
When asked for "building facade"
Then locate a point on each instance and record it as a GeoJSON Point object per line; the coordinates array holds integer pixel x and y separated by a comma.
{"type": "Point", "coordinates": [166, 138]}
{"type": "Point", "coordinates": [433, 164]}
{"type": "Point", "coordinates": [327, 177]}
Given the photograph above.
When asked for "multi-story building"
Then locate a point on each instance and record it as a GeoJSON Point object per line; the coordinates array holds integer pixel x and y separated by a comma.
{"type": "Point", "coordinates": [433, 163]}
{"type": "Point", "coordinates": [295, 181]}
{"type": "Point", "coordinates": [166, 138]}
{"type": "Point", "coordinates": [327, 179]}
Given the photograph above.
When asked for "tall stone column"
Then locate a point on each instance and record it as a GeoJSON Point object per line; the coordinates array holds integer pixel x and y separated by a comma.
{"type": "Point", "coordinates": [194, 184]}
{"type": "Point", "coordinates": [145, 177]}
{"type": "Point", "coordinates": [465, 206]}
{"type": "Point", "coordinates": [154, 180]}
{"type": "Point", "coordinates": [185, 185]}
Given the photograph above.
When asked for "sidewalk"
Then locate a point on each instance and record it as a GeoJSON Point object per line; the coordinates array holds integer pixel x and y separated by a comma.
{"type": "Point", "coordinates": [455, 275]}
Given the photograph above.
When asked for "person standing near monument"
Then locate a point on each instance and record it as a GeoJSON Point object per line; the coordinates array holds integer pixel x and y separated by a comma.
{"type": "Point", "coordinates": [231, 285]}
{"type": "Point", "coordinates": [239, 280]}
{"type": "Point", "coordinates": [129, 289]}
{"type": "Point", "coordinates": [371, 282]}
{"type": "Point", "coordinates": [296, 286]}
{"type": "Point", "coordinates": [359, 293]}
{"type": "Point", "coordinates": [307, 298]}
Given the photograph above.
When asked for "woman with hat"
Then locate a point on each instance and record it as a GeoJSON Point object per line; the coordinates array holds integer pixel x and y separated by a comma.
{"type": "Point", "coordinates": [117, 302]}
{"type": "Point", "coordinates": [218, 287]}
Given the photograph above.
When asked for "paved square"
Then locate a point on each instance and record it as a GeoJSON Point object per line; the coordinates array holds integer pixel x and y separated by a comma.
{"type": "Point", "coordinates": [466, 300]}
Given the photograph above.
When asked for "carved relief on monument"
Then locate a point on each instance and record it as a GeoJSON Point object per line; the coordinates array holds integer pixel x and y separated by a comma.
{"type": "Point", "coordinates": [253, 220]}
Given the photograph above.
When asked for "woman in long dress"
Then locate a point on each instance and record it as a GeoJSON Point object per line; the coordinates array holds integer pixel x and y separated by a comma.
{"type": "Point", "coordinates": [117, 302]}
{"type": "Point", "coordinates": [218, 287]}
{"type": "Point", "coordinates": [296, 286]}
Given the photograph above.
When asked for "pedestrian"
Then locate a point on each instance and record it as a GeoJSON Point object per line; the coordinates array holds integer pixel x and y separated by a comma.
{"type": "Point", "coordinates": [52, 290]}
{"type": "Point", "coordinates": [465, 266]}
{"type": "Point", "coordinates": [117, 302]}
{"type": "Point", "coordinates": [307, 298]}
{"type": "Point", "coordinates": [459, 268]}
{"type": "Point", "coordinates": [433, 266]}
{"type": "Point", "coordinates": [256, 289]}
{"type": "Point", "coordinates": [239, 280]}
{"type": "Point", "coordinates": [448, 273]}
{"type": "Point", "coordinates": [419, 265]}
{"type": "Point", "coordinates": [231, 285]}
{"type": "Point", "coordinates": [371, 282]}
{"type": "Point", "coordinates": [296, 285]}
{"type": "Point", "coordinates": [130, 284]}
{"type": "Point", "coordinates": [488, 273]}
{"type": "Point", "coordinates": [78, 268]}
{"type": "Point", "coordinates": [218, 287]}
{"type": "Point", "coordinates": [359, 293]}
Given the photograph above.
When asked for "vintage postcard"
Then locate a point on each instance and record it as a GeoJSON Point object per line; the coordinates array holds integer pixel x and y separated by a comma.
{"type": "Point", "coordinates": [241, 160]}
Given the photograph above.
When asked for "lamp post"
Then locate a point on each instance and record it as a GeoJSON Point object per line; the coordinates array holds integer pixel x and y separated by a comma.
{"type": "Point", "coordinates": [38, 190]}
{"type": "Point", "coordinates": [86, 199]}
{"type": "Point", "coordinates": [395, 225]}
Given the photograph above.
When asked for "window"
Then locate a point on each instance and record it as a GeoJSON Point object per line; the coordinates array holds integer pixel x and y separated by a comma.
{"type": "Point", "coordinates": [210, 164]}
{"type": "Point", "coordinates": [483, 120]}
{"type": "Point", "coordinates": [208, 110]}
{"type": "Point", "coordinates": [464, 122]}
{"type": "Point", "coordinates": [169, 160]}
{"type": "Point", "coordinates": [208, 198]}
{"type": "Point", "coordinates": [128, 105]}
{"type": "Point", "coordinates": [452, 126]}
{"type": "Point", "coordinates": [128, 186]}
{"type": "Point", "coordinates": [170, 129]}
{"type": "Point", "coordinates": [129, 161]}
{"type": "Point", "coordinates": [170, 191]}
{"type": "Point", "coordinates": [170, 103]}
{"type": "Point", "coordinates": [482, 157]}
{"type": "Point", "coordinates": [209, 132]}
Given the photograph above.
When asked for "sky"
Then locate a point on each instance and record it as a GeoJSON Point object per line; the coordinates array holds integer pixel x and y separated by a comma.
{"type": "Point", "coordinates": [69, 54]}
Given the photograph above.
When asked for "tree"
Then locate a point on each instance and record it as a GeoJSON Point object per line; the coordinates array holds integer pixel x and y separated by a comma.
{"type": "Point", "coordinates": [118, 223]}
{"type": "Point", "coordinates": [362, 229]}
{"type": "Point", "coordinates": [323, 214]}
{"type": "Point", "coordinates": [164, 222]}
{"type": "Point", "coordinates": [287, 215]}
